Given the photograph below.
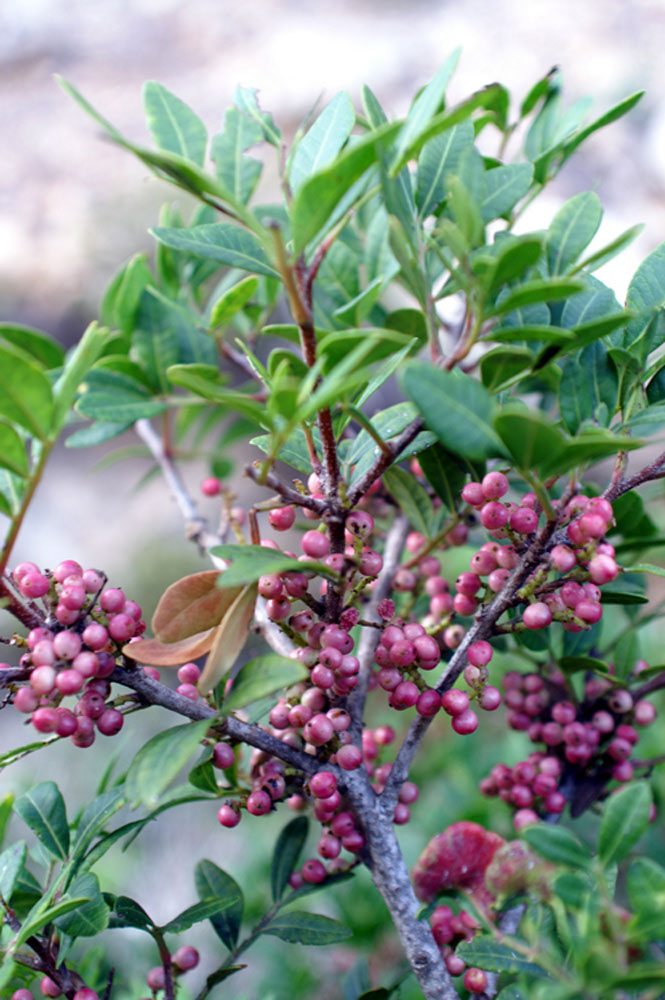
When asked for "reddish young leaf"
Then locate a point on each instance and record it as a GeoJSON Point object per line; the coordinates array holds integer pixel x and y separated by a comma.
{"type": "Point", "coordinates": [191, 605]}
{"type": "Point", "coordinates": [172, 654]}
{"type": "Point", "coordinates": [230, 637]}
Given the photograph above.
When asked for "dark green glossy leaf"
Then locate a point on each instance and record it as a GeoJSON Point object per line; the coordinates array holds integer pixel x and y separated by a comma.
{"type": "Point", "coordinates": [557, 844]}
{"type": "Point", "coordinates": [173, 125]}
{"type": "Point", "coordinates": [625, 818]}
{"type": "Point", "coordinates": [222, 242]}
{"type": "Point", "coordinates": [262, 676]}
{"type": "Point", "coordinates": [503, 366]}
{"type": "Point", "coordinates": [11, 863]}
{"type": "Point", "coordinates": [213, 882]}
{"type": "Point", "coordinates": [128, 913]}
{"type": "Point", "coordinates": [486, 953]}
{"type": "Point", "coordinates": [572, 229]}
{"type": "Point", "coordinates": [388, 424]}
{"type": "Point", "coordinates": [445, 472]}
{"type": "Point", "coordinates": [90, 918]}
{"type": "Point", "coordinates": [299, 927]}
{"type": "Point", "coordinates": [412, 499]}
{"type": "Point", "coordinates": [456, 408]}
{"type": "Point", "coordinates": [158, 762]}
{"type": "Point", "coordinates": [506, 260]}
{"type": "Point", "coordinates": [43, 809]}
{"type": "Point", "coordinates": [205, 909]}
{"type": "Point", "coordinates": [588, 447]}
{"type": "Point", "coordinates": [574, 664]}
{"type": "Point", "coordinates": [95, 817]}
{"type": "Point", "coordinates": [646, 295]}
{"type": "Point", "coordinates": [531, 440]}
{"type": "Point", "coordinates": [586, 381]}
{"type": "Point", "coordinates": [288, 848]}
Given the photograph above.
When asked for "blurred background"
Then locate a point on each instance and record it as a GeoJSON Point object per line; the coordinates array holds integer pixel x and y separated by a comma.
{"type": "Point", "coordinates": [73, 208]}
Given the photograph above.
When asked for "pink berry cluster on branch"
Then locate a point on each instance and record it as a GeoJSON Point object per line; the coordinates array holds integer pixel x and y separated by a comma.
{"type": "Point", "coordinates": [74, 652]}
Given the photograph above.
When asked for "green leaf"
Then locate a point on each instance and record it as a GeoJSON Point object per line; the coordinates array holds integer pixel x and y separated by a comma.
{"type": "Point", "coordinates": [646, 886]}
{"type": "Point", "coordinates": [512, 334]}
{"type": "Point", "coordinates": [158, 762]}
{"type": "Point", "coordinates": [625, 818]}
{"type": "Point", "coordinates": [205, 381]}
{"type": "Point", "coordinates": [173, 125]}
{"type": "Point", "coordinates": [11, 863]}
{"type": "Point", "coordinates": [442, 122]}
{"type": "Point", "coordinates": [195, 914]}
{"type": "Point", "coordinates": [43, 348]}
{"type": "Point", "coordinates": [589, 446]}
{"type": "Point", "coordinates": [90, 918]}
{"type": "Point", "coordinates": [572, 229]}
{"type": "Point", "coordinates": [531, 440]}
{"type": "Point", "coordinates": [587, 380]}
{"type": "Point", "coordinates": [122, 296]}
{"type": "Point", "coordinates": [364, 451]}
{"type": "Point", "coordinates": [300, 927]}
{"type": "Point", "coordinates": [646, 295]}
{"type": "Point", "coordinates": [238, 173]}
{"type": "Point", "coordinates": [288, 848]}
{"type": "Point", "coordinates": [439, 158]}
{"type": "Point", "coordinates": [13, 455]}
{"type": "Point", "coordinates": [316, 199]}
{"type": "Point", "coordinates": [607, 253]}
{"type": "Point", "coordinates": [232, 301]}
{"type": "Point", "coordinates": [412, 499]}
{"type": "Point", "coordinates": [506, 260]}
{"type": "Point", "coordinates": [486, 953]}
{"type": "Point", "coordinates": [620, 109]}
{"type": "Point", "coordinates": [426, 104]}
{"type": "Point", "coordinates": [25, 394]}
{"type": "Point", "coordinates": [43, 809]}
{"type": "Point", "coordinates": [114, 398]}
{"type": "Point", "coordinates": [503, 366]}
{"type": "Point", "coordinates": [537, 290]}
{"type": "Point", "coordinates": [456, 407]}
{"type": "Point", "coordinates": [262, 676]}
{"type": "Point", "coordinates": [246, 101]}
{"type": "Point", "coordinates": [574, 664]}
{"type": "Point", "coordinates": [252, 561]}
{"type": "Point", "coordinates": [128, 913]}
{"type": "Point", "coordinates": [557, 844]}
{"type": "Point", "coordinates": [646, 568]}
{"type": "Point", "coordinates": [323, 140]}
{"type": "Point", "coordinates": [95, 817]}
{"type": "Point", "coordinates": [504, 186]}
{"type": "Point", "coordinates": [445, 473]}
{"type": "Point", "coordinates": [94, 434]}
{"type": "Point", "coordinates": [213, 882]}
{"type": "Point", "coordinates": [220, 241]}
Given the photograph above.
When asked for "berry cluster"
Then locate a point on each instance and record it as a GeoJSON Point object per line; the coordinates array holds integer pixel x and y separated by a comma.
{"type": "Point", "coordinates": [74, 652]}
{"type": "Point", "coordinates": [590, 739]}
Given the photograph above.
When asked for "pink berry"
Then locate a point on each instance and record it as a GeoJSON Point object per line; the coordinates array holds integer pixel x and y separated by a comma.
{"type": "Point", "coordinates": [537, 616]}
{"type": "Point", "coordinates": [323, 784]}
{"type": "Point", "coordinates": [602, 569]}
{"type": "Point", "coordinates": [22, 569]}
{"type": "Point", "coordinates": [329, 846]}
{"type": "Point", "coordinates": [45, 720]}
{"type": "Point", "coordinates": [465, 606]}
{"type": "Point", "coordinates": [186, 958]}
{"type": "Point", "coordinates": [72, 597]}
{"type": "Point", "coordinates": [189, 691]}
{"type": "Point", "coordinates": [228, 816]}
{"type": "Point", "coordinates": [21, 995]}
{"type": "Point", "coordinates": [282, 518]}
{"type": "Point", "coordinates": [455, 965]}
{"type": "Point", "coordinates": [493, 515]}
{"type": "Point", "coordinates": [404, 696]}
{"type": "Point", "coordinates": [95, 636]}
{"type": "Point", "coordinates": [563, 558]}
{"type": "Point", "coordinates": [524, 520]}
{"type": "Point", "coordinates": [315, 544]}
{"type": "Point", "coordinates": [494, 485]}
{"type": "Point", "coordinates": [468, 583]}
{"type": "Point", "coordinates": [524, 817]}
{"type": "Point", "coordinates": [34, 585]}
{"type": "Point", "coordinates": [93, 580]}
{"type": "Point", "coordinates": [313, 871]}
{"type": "Point", "coordinates": [156, 978]}
{"type": "Point", "coordinates": [110, 722]}
{"type": "Point", "coordinates": [473, 494]}
{"type": "Point", "coordinates": [189, 673]}
{"type": "Point", "coordinates": [623, 771]}
{"type": "Point", "coordinates": [211, 486]}
{"type": "Point", "coordinates": [483, 561]}
{"type": "Point", "coordinates": [479, 653]}
{"type": "Point", "coordinates": [349, 757]}
{"type": "Point", "coordinates": [42, 680]}
{"type": "Point", "coordinates": [26, 700]}
{"type": "Point", "coordinates": [112, 600]}
{"type": "Point", "coordinates": [490, 698]}
{"type": "Point", "coordinates": [475, 980]}
{"type": "Point", "coordinates": [465, 723]}
{"type": "Point", "coordinates": [49, 988]}
{"type": "Point", "coordinates": [258, 803]}
{"type": "Point", "coordinates": [455, 701]}
{"type": "Point", "coordinates": [645, 713]}
{"type": "Point", "coordinates": [428, 703]}
{"type": "Point", "coordinates": [360, 524]}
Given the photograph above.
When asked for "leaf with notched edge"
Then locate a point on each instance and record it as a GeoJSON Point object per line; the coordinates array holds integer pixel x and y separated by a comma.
{"type": "Point", "coordinates": [229, 638]}
{"type": "Point", "coordinates": [171, 654]}
{"type": "Point", "coordinates": [191, 605]}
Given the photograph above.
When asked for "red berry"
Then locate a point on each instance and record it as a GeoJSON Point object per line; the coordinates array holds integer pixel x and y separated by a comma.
{"type": "Point", "coordinates": [475, 980]}
{"type": "Point", "coordinates": [211, 486]}
{"type": "Point", "coordinates": [465, 723]}
{"type": "Point", "coordinates": [186, 958]}
{"type": "Point", "coordinates": [282, 518]}
{"type": "Point", "coordinates": [313, 871]}
{"type": "Point", "coordinates": [455, 701]}
{"type": "Point", "coordinates": [494, 485]}
{"type": "Point", "coordinates": [49, 988]}
{"type": "Point", "coordinates": [228, 816]}
{"type": "Point", "coordinates": [315, 545]}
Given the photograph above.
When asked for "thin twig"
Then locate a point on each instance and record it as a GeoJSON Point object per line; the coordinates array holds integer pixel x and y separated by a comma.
{"type": "Point", "coordinates": [385, 460]}
{"type": "Point", "coordinates": [369, 638]}
{"type": "Point", "coordinates": [655, 470]}
{"type": "Point", "coordinates": [196, 526]}
{"type": "Point", "coordinates": [287, 493]}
